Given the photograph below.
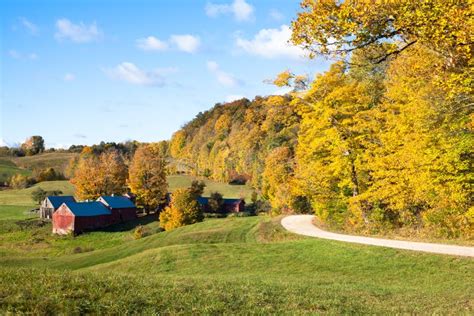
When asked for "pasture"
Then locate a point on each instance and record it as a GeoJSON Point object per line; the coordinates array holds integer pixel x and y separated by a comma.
{"type": "Point", "coordinates": [233, 265]}
{"type": "Point", "coordinates": [8, 168]}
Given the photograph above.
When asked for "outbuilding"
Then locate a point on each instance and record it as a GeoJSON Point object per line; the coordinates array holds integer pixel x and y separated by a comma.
{"type": "Point", "coordinates": [51, 203]}
{"type": "Point", "coordinates": [228, 205]}
{"type": "Point", "coordinates": [121, 207]}
{"type": "Point", "coordinates": [74, 217]}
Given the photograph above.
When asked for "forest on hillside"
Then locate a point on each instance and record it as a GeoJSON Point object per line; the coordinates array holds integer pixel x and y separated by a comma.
{"type": "Point", "coordinates": [383, 140]}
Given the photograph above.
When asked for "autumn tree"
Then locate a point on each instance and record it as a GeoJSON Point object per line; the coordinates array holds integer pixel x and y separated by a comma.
{"type": "Point", "coordinates": [183, 210]}
{"type": "Point", "coordinates": [277, 178]}
{"type": "Point", "coordinates": [99, 175]}
{"type": "Point", "coordinates": [147, 176]}
{"type": "Point", "coordinates": [33, 145]}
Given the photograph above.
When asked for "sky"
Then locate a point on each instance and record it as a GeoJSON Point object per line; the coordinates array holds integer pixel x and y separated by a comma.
{"type": "Point", "coordinates": [81, 72]}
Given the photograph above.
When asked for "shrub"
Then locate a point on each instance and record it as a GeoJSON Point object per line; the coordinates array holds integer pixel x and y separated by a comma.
{"type": "Point", "coordinates": [48, 174]}
{"type": "Point", "coordinates": [19, 181]}
{"type": "Point", "coordinates": [140, 232]}
{"type": "Point", "coordinates": [183, 210]}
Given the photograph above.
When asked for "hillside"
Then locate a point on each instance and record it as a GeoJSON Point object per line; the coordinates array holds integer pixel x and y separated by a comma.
{"type": "Point", "coordinates": [9, 168]}
{"type": "Point", "coordinates": [57, 160]}
{"type": "Point", "coordinates": [234, 265]}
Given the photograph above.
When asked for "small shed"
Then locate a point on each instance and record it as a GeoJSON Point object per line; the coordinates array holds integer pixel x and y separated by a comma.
{"type": "Point", "coordinates": [121, 207]}
{"type": "Point", "coordinates": [51, 203]}
{"type": "Point", "coordinates": [228, 205]}
{"type": "Point", "coordinates": [77, 217]}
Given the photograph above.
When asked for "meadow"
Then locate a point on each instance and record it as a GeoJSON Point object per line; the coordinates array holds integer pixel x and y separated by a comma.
{"type": "Point", "coordinates": [9, 168]}
{"type": "Point", "coordinates": [233, 265]}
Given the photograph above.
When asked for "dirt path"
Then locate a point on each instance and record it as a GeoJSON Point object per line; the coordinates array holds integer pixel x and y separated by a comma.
{"type": "Point", "coordinates": [303, 225]}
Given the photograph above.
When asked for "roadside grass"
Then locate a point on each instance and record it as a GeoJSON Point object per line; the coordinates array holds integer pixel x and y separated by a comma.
{"type": "Point", "coordinates": [233, 266]}
{"type": "Point", "coordinates": [8, 169]}
{"type": "Point", "coordinates": [58, 161]}
{"type": "Point", "coordinates": [227, 190]}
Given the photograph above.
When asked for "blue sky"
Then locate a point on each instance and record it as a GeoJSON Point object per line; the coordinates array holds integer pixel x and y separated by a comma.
{"type": "Point", "coordinates": [79, 72]}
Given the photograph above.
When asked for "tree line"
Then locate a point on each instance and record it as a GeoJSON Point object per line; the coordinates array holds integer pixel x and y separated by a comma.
{"type": "Point", "coordinates": [383, 140]}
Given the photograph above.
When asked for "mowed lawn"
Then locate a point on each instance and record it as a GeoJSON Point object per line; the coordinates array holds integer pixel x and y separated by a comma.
{"type": "Point", "coordinates": [234, 266]}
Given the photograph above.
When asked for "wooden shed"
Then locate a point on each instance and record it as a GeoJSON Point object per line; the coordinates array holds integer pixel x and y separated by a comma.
{"type": "Point", "coordinates": [121, 207]}
{"type": "Point", "coordinates": [51, 203]}
{"type": "Point", "coordinates": [75, 217]}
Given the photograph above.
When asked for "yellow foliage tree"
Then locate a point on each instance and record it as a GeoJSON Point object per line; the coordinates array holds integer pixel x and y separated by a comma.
{"type": "Point", "coordinates": [147, 176]}
{"type": "Point", "coordinates": [183, 210]}
{"type": "Point", "coordinates": [103, 175]}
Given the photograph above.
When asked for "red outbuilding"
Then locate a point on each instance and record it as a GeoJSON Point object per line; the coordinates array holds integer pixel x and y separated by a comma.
{"type": "Point", "coordinates": [75, 217]}
{"type": "Point", "coordinates": [121, 207]}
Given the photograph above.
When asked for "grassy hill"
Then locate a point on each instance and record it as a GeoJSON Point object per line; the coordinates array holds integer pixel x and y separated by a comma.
{"type": "Point", "coordinates": [233, 265]}
{"type": "Point", "coordinates": [8, 169]}
{"type": "Point", "coordinates": [227, 190]}
{"type": "Point", "coordinates": [58, 161]}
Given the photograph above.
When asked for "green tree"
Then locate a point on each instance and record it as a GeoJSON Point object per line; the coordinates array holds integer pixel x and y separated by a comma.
{"type": "Point", "coordinates": [216, 201]}
{"type": "Point", "coordinates": [33, 145]}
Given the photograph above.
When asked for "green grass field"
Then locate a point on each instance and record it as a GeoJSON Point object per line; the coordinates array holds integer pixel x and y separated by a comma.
{"type": "Point", "coordinates": [233, 266]}
{"type": "Point", "coordinates": [8, 169]}
{"type": "Point", "coordinates": [227, 190]}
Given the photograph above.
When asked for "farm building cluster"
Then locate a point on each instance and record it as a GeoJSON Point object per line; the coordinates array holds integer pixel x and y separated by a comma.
{"type": "Point", "coordinates": [69, 216]}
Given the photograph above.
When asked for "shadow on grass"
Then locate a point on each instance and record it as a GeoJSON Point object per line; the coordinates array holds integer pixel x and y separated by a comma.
{"type": "Point", "coordinates": [127, 226]}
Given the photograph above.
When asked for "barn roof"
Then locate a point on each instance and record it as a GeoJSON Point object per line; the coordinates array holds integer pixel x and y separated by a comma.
{"type": "Point", "coordinates": [118, 201]}
{"type": "Point", "coordinates": [88, 208]}
{"type": "Point", "coordinates": [57, 201]}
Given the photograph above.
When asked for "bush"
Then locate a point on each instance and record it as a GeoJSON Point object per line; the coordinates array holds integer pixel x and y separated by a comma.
{"type": "Point", "coordinates": [48, 174]}
{"type": "Point", "coordinates": [140, 232]}
{"type": "Point", "coordinates": [183, 210]}
{"type": "Point", "coordinates": [19, 181]}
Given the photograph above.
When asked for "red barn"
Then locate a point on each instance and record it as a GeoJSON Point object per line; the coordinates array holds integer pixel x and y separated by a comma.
{"type": "Point", "coordinates": [75, 217]}
{"type": "Point", "coordinates": [121, 207]}
{"type": "Point", "coordinates": [228, 205]}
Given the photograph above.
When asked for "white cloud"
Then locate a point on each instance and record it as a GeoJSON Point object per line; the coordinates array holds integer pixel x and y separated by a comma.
{"type": "Point", "coordinates": [241, 10]}
{"type": "Point", "coordinates": [186, 43]}
{"type": "Point", "coordinates": [276, 15]}
{"type": "Point", "coordinates": [233, 97]}
{"type": "Point", "coordinates": [130, 73]}
{"type": "Point", "coordinates": [271, 43]}
{"type": "Point", "coordinates": [151, 43]}
{"type": "Point", "coordinates": [17, 55]}
{"type": "Point", "coordinates": [30, 26]}
{"type": "Point", "coordinates": [69, 77]}
{"type": "Point", "coordinates": [79, 33]}
{"type": "Point", "coordinates": [222, 77]}
{"type": "Point", "coordinates": [14, 54]}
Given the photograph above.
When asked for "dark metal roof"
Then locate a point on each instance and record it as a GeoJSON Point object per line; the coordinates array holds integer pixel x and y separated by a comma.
{"type": "Point", "coordinates": [118, 202]}
{"type": "Point", "coordinates": [88, 208]}
{"type": "Point", "coordinates": [57, 201]}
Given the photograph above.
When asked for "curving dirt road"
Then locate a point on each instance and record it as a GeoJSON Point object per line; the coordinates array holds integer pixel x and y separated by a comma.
{"type": "Point", "coordinates": [303, 225]}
